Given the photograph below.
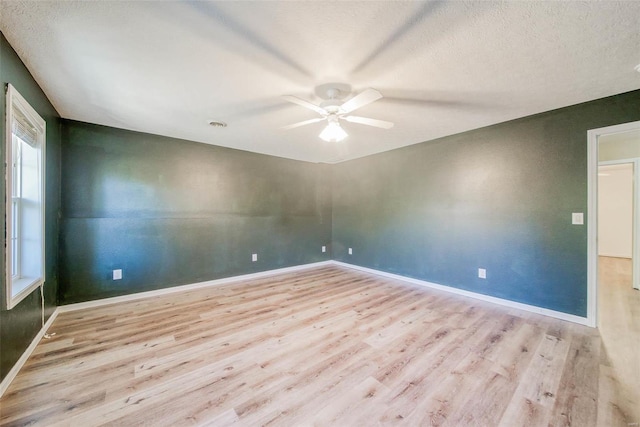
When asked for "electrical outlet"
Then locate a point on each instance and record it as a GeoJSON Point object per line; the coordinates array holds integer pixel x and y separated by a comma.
{"type": "Point", "coordinates": [482, 273]}
{"type": "Point", "coordinates": [350, 251]}
{"type": "Point", "coordinates": [117, 274]}
{"type": "Point", "coordinates": [324, 249]}
{"type": "Point", "coordinates": [254, 257]}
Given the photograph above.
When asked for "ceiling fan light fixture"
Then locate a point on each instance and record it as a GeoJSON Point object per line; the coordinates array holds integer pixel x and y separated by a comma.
{"type": "Point", "coordinates": [333, 110]}
{"type": "Point", "coordinates": [333, 132]}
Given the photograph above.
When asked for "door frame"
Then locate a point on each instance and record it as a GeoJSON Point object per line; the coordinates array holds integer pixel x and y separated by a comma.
{"type": "Point", "coordinates": [592, 216]}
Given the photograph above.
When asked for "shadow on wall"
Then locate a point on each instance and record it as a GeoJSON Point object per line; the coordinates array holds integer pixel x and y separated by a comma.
{"type": "Point", "coordinates": [170, 212]}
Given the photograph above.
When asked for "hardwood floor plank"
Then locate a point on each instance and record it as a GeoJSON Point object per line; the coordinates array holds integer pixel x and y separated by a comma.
{"type": "Point", "coordinates": [535, 396]}
{"type": "Point", "coordinates": [609, 411]}
{"type": "Point", "coordinates": [577, 397]}
{"type": "Point", "coordinates": [328, 346]}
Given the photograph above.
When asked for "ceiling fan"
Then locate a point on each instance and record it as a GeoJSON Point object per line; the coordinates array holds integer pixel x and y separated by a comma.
{"type": "Point", "coordinates": [332, 109]}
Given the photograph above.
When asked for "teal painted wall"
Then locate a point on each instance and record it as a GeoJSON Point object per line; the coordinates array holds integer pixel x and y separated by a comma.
{"type": "Point", "coordinates": [498, 198]}
{"type": "Point", "coordinates": [171, 212]}
{"type": "Point", "coordinates": [20, 325]}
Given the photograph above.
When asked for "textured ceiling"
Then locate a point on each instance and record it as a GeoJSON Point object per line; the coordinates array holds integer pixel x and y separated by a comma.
{"type": "Point", "coordinates": [443, 67]}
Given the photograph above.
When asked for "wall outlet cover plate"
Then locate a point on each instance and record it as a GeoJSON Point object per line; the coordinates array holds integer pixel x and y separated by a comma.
{"type": "Point", "coordinates": [577, 218]}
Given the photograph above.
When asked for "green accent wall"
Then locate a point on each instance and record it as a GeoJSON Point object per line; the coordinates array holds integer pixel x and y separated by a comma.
{"type": "Point", "coordinates": [171, 212]}
{"type": "Point", "coordinates": [20, 325]}
{"type": "Point", "coordinates": [498, 198]}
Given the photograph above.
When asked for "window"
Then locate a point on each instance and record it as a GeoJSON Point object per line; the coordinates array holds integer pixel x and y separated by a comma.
{"type": "Point", "coordinates": [25, 156]}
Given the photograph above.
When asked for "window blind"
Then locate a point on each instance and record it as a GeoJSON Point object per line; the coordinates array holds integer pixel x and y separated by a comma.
{"type": "Point", "coordinates": [23, 129]}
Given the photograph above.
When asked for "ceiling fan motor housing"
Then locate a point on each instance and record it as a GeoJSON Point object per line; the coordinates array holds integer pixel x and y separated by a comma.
{"type": "Point", "coordinates": [332, 106]}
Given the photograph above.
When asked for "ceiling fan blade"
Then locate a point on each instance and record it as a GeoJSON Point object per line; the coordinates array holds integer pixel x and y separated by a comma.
{"type": "Point", "coordinates": [306, 122]}
{"type": "Point", "coordinates": [305, 104]}
{"type": "Point", "coordinates": [371, 122]}
{"type": "Point", "coordinates": [360, 100]}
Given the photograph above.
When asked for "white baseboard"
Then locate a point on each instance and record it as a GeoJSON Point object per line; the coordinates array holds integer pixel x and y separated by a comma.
{"type": "Point", "coordinates": [183, 288]}
{"type": "Point", "coordinates": [189, 287]}
{"type": "Point", "coordinates": [4, 385]}
{"type": "Point", "coordinates": [507, 303]}
{"type": "Point", "coordinates": [166, 291]}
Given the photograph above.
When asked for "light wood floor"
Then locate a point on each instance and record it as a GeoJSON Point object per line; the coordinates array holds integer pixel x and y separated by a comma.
{"type": "Point", "coordinates": [328, 346]}
{"type": "Point", "coordinates": [619, 325]}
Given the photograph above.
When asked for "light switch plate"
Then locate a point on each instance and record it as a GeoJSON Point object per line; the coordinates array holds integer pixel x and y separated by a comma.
{"type": "Point", "coordinates": [254, 257]}
{"type": "Point", "coordinates": [117, 274]}
{"type": "Point", "coordinates": [350, 251]}
{"type": "Point", "coordinates": [324, 249]}
{"type": "Point", "coordinates": [482, 273]}
{"type": "Point", "coordinates": [577, 218]}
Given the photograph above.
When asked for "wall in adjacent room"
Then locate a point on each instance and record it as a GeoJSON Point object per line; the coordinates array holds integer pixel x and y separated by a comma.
{"type": "Point", "coordinates": [615, 210]}
{"type": "Point", "coordinates": [619, 146]}
{"type": "Point", "coordinates": [498, 198]}
{"type": "Point", "coordinates": [20, 325]}
{"type": "Point", "coordinates": [171, 212]}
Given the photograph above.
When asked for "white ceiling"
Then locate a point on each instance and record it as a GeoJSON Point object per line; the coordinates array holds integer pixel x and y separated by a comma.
{"type": "Point", "coordinates": [443, 67]}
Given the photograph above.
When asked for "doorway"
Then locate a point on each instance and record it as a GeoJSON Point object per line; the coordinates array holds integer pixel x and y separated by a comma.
{"type": "Point", "coordinates": [611, 148]}
{"type": "Point", "coordinates": [614, 260]}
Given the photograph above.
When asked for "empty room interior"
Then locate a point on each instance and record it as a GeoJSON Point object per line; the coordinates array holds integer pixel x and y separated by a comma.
{"type": "Point", "coordinates": [320, 213]}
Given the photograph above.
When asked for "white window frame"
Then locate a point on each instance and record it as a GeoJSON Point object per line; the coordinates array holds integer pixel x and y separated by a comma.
{"type": "Point", "coordinates": [15, 101]}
